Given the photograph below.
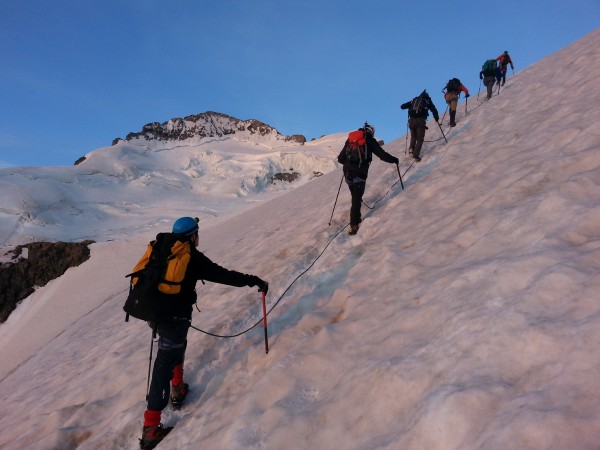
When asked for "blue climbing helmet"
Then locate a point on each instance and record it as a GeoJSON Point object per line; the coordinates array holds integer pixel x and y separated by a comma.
{"type": "Point", "coordinates": [186, 226]}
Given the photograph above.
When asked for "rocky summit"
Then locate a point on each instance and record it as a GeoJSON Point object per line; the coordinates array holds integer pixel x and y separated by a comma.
{"type": "Point", "coordinates": [208, 124]}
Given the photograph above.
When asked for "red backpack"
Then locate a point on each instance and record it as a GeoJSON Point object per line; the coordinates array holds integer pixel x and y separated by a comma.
{"type": "Point", "coordinates": [356, 150]}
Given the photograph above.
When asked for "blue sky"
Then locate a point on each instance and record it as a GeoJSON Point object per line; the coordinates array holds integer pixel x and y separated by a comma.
{"type": "Point", "coordinates": [77, 73]}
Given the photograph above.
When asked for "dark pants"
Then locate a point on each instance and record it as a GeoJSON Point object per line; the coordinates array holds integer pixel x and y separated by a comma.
{"type": "Point", "coordinates": [417, 134]}
{"type": "Point", "coordinates": [171, 351]}
{"type": "Point", "coordinates": [357, 189]}
{"type": "Point", "coordinates": [488, 82]}
{"type": "Point", "coordinates": [503, 71]}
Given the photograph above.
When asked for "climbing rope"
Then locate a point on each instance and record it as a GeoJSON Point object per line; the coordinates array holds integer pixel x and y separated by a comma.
{"type": "Point", "coordinates": [280, 297]}
{"type": "Point", "coordinates": [258, 322]}
{"type": "Point", "coordinates": [302, 273]}
{"type": "Point", "coordinates": [389, 190]}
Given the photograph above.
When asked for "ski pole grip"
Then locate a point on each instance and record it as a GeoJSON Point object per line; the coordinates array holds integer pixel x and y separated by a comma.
{"type": "Point", "coordinates": [264, 288]}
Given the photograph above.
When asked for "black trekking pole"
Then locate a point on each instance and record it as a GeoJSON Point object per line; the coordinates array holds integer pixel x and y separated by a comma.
{"type": "Point", "coordinates": [150, 362]}
{"type": "Point", "coordinates": [406, 140]}
{"type": "Point", "coordinates": [479, 88]}
{"type": "Point", "coordinates": [336, 199]}
{"type": "Point", "coordinates": [466, 103]}
{"type": "Point", "coordinates": [264, 305]}
{"type": "Point", "coordinates": [499, 88]}
{"type": "Point", "coordinates": [442, 132]}
{"type": "Point", "coordinates": [401, 183]}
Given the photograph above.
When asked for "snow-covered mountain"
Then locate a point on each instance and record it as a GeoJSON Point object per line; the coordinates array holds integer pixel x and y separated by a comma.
{"type": "Point", "coordinates": [464, 315]}
{"type": "Point", "coordinates": [207, 165]}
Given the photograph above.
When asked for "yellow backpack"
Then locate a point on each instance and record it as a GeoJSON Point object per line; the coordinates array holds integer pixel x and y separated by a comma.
{"type": "Point", "coordinates": [158, 273]}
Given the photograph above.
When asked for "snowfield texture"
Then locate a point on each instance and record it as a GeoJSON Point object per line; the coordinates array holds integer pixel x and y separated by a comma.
{"type": "Point", "coordinates": [464, 314]}
{"type": "Point", "coordinates": [139, 184]}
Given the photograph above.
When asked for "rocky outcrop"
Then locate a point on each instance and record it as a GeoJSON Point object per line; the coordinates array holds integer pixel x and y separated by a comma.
{"type": "Point", "coordinates": [208, 124]}
{"type": "Point", "coordinates": [296, 138]}
{"type": "Point", "coordinates": [290, 177]}
{"type": "Point", "coordinates": [285, 176]}
{"type": "Point", "coordinates": [44, 261]}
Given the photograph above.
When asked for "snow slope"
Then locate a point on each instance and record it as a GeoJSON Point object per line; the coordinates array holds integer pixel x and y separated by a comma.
{"type": "Point", "coordinates": [464, 315]}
